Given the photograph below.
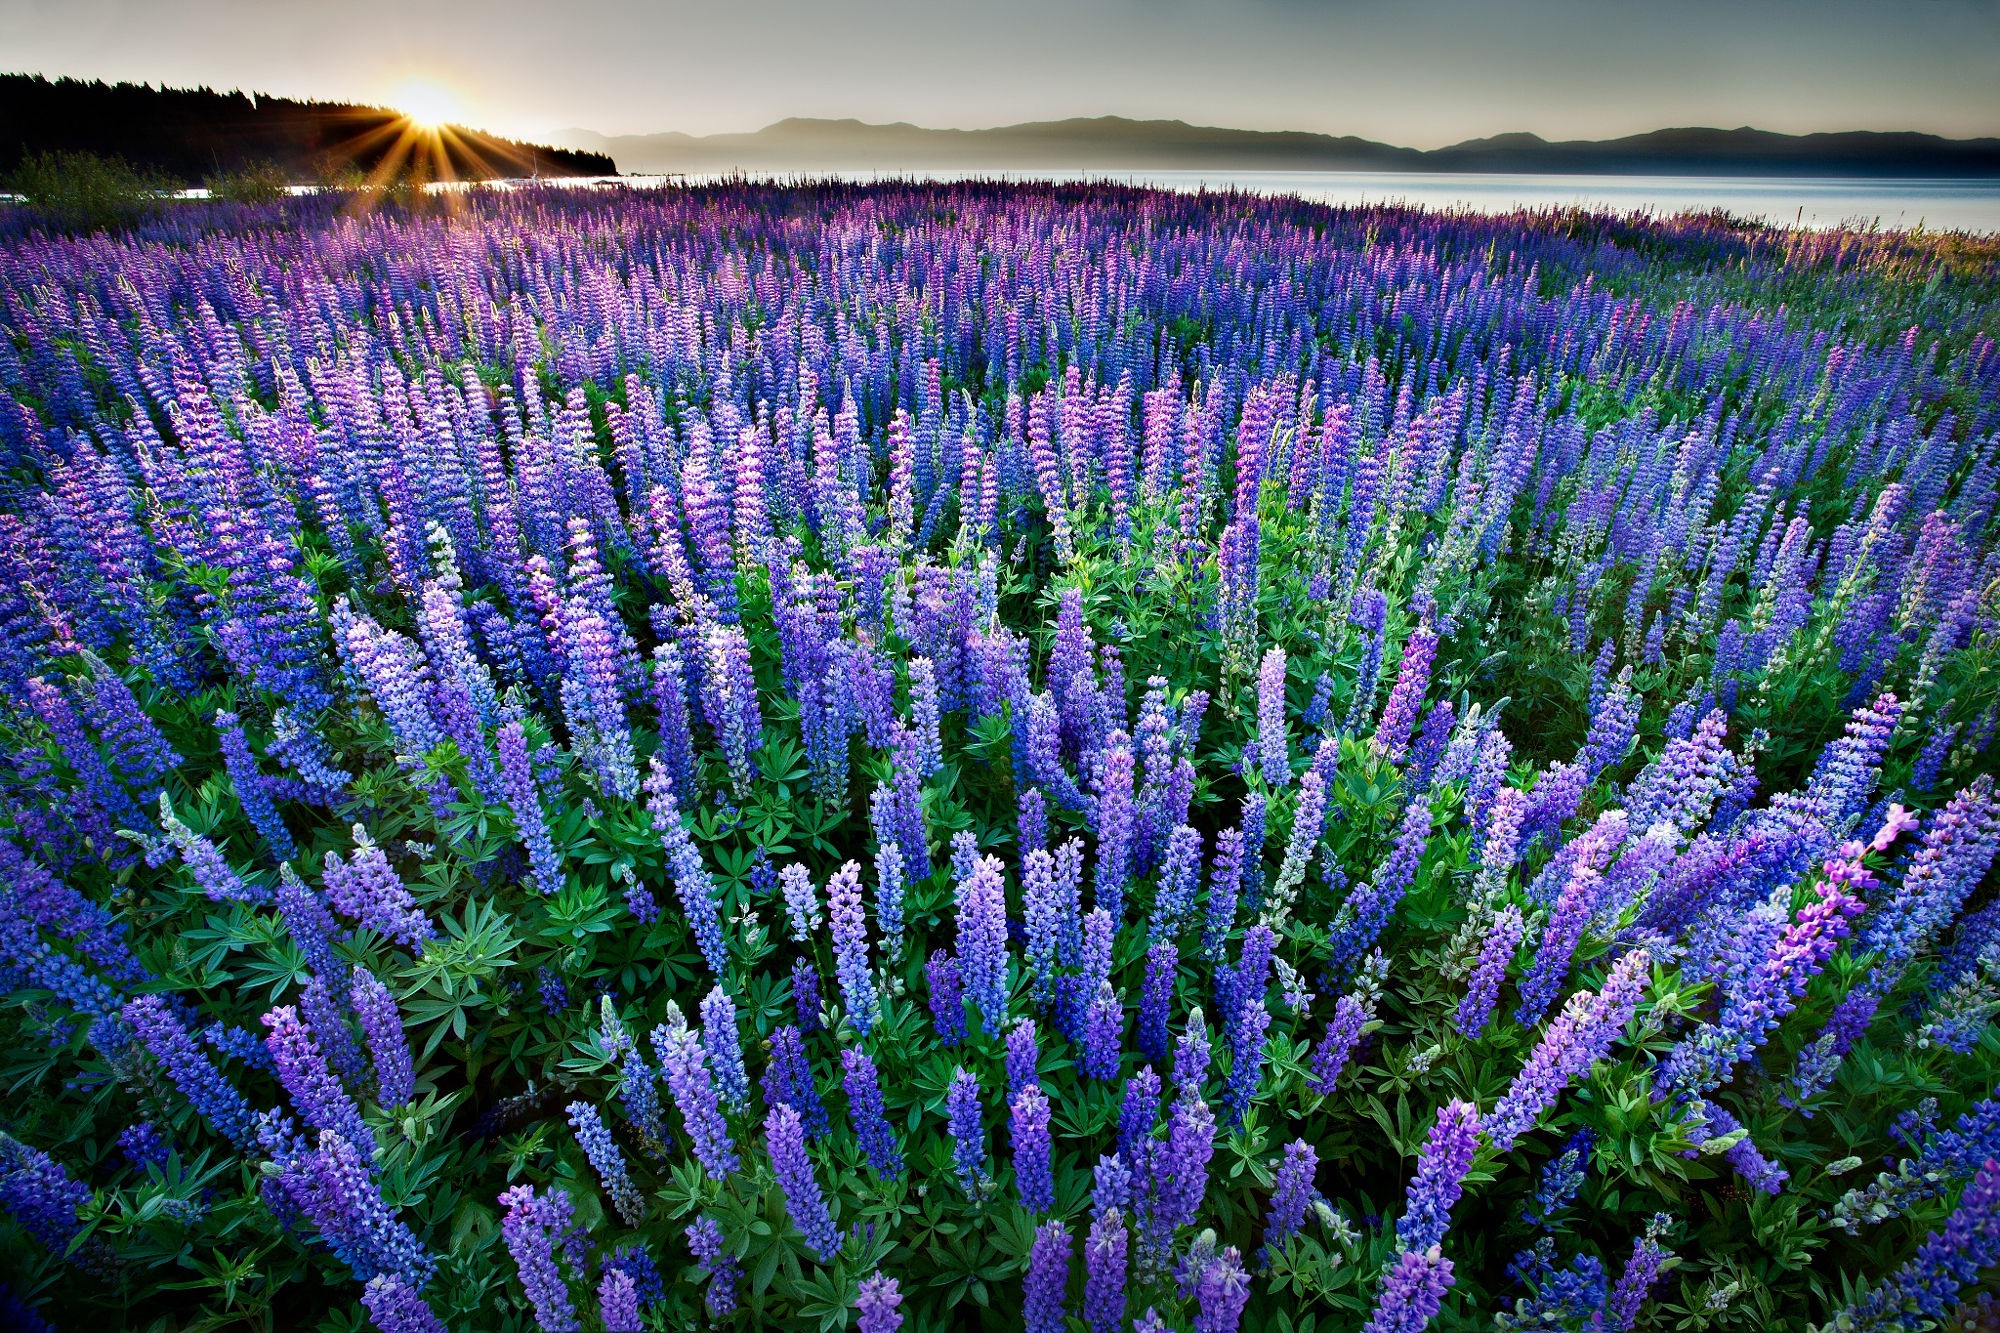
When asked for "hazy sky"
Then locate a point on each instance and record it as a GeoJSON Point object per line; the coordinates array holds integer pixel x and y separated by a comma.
{"type": "Point", "coordinates": [1418, 72]}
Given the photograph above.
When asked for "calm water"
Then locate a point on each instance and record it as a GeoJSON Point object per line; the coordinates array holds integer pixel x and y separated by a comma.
{"type": "Point", "coordinates": [1935, 204]}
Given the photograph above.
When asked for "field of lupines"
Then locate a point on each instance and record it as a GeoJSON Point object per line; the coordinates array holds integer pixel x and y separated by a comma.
{"type": "Point", "coordinates": [984, 756]}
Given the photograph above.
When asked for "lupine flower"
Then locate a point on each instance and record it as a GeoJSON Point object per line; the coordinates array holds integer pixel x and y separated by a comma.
{"type": "Point", "coordinates": [143, 1145]}
{"type": "Point", "coordinates": [1412, 1292]}
{"type": "Point", "coordinates": [1102, 1034]}
{"type": "Point", "coordinates": [607, 1161]}
{"type": "Point", "coordinates": [1033, 1176]}
{"type": "Point", "coordinates": [365, 888]}
{"type": "Point", "coordinates": [1579, 1037]}
{"type": "Point", "coordinates": [1104, 1266]}
{"type": "Point", "coordinates": [801, 902]}
{"type": "Point", "coordinates": [1224, 885]}
{"type": "Point", "coordinates": [968, 1132]}
{"type": "Point", "coordinates": [39, 1194]}
{"type": "Point", "coordinates": [875, 1305]}
{"type": "Point", "coordinates": [251, 793]}
{"type": "Point", "coordinates": [1048, 1276]}
{"type": "Point", "coordinates": [1179, 875]}
{"type": "Point", "coordinates": [947, 990]}
{"type": "Point", "coordinates": [531, 1228]}
{"type": "Point", "coordinates": [1156, 998]}
{"type": "Point", "coordinates": [1273, 756]}
{"type": "Point", "coordinates": [1023, 1055]}
{"type": "Point", "coordinates": [1413, 676]}
{"type": "Point", "coordinates": [871, 1120]}
{"type": "Point", "coordinates": [982, 942]}
{"type": "Point", "coordinates": [722, 1044]}
{"type": "Point", "coordinates": [1191, 1055]}
{"type": "Point", "coordinates": [524, 803]}
{"type": "Point", "coordinates": [689, 1080]}
{"type": "Point", "coordinates": [1642, 1270]}
{"type": "Point", "coordinates": [1561, 1179]}
{"type": "Point", "coordinates": [787, 1139]}
{"type": "Point", "coordinates": [806, 1001]}
{"type": "Point", "coordinates": [397, 1307]}
{"type": "Point", "coordinates": [618, 1303]}
{"type": "Point", "coordinates": [212, 1097]}
{"type": "Point", "coordinates": [1950, 1259]}
{"type": "Point", "coordinates": [211, 870]}
{"type": "Point", "coordinates": [382, 1024]}
{"type": "Point", "coordinates": [302, 1067]}
{"type": "Point", "coordinates": [1481, 993]}
{"type": "Point", "coordinates": [1441, 1166]}
{"type": "Point", "coordinates": [850, 947]}
{"type": "Point", "coordinates": [691, 878]}
{"type": "Point", "coordinates": [711, 1250]}
{"type": "Point", "coordinates": [1291, 1193]}
{"type": "Point", "coordinates": [1221, 1291]}
{"type": "Point", "coordinates": [1351, 1016]}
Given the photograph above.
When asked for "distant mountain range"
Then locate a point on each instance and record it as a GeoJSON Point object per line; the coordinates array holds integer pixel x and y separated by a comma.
{"type": "Point", "coordinates": [192, 133]}
{"type": "Point", "coordinates": [1113, 143]}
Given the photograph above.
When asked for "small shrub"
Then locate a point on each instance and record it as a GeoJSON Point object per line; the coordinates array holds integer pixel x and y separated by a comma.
{"type": "Point", "coordinates": [256, 183]}
{"type": "Point", "coordinates": [85, 192]}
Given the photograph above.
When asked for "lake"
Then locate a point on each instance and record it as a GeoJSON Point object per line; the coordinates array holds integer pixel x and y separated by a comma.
{"type": "Point", "coordinates": [1938, 204]}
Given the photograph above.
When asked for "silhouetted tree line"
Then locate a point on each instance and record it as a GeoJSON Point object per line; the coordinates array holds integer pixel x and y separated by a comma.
{"type": "Point", "coordinates": [196, 134]}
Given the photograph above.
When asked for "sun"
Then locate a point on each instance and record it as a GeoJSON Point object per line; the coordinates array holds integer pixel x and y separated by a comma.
{"type": "Point", "coordinates": [428, 105]}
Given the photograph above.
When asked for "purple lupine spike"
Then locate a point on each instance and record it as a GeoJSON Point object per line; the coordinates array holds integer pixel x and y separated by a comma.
{"type": "Point", "coordinates": [1191, 1055]}
{"type": "Point", "coordinates": [1273, 747]}
{"type": "Point", "coordinates": [618, 1303]}
{"type": "Point", "coordinates": [801, 902]}
{"type": "Point", "coordinates": [398, 1307]}
{"type": "Point", "coordinates": [1364, 915]}
{"type": "Point", "coordinates": [1033, 827]}
{"type": "Point", "coordinates": [889, 897]}
{"type": "Point", "coordinates": [1643, 1268]}
{"type": "Point", "coordinates": [607, 1161]}
{"type": "Point", "coordinates": [1104, 1267]}
{"type": "Point", "coordinates": [982, 943]}
{"type": "Point", "coordinates": [968, 1133]}
{"type": "Point", "coordinates": [305, 1073]}
{"type": "Point", "coordinates": [1180, 875]}
{"type": "Point", "coordinates": [308, 922]}
{"type": "Point", "coordinates": [1221, 1291]}
{"type": "Point", "coordinates": [1103, 1033]}
{"type": "Point", "coordinates": [1413, 677]}
{"type": "Point", "coordinates": [711, 1250]}
{"type": "Point", "coordinates": [1482, 992]}
{"type": "Point", "coordinates": [524, 803]}
{"type": "Point", "coordinates": [1225, 884]}
{"type": "Point", "coordinates": [1156, 998]}
{"type": "Point", "coordinates": [531, 1227]}
{"type": "Point", "coordinates": [1047, 1280]}
{"type": "Point", "coordinates": [367, 889]}
{"type": "Point", "coordinates": [1044, 919]}
{"type": "Point", "coordinates": [382, 1025]}
{"type": "Point", "coordinates": [870, 1117]}
{"type": "Point", "coordinates": [850, 947]}
{"type": "Point", "coordinates": [1308, 822]}
{"type": "Point", "coordinates": [1441, 1166]}
{"type": "Point", "coordinates": [1561, 1179]}
{"type": "Point", "coordinates": [691, 878]}
{"type": "Point", "coordinates": [788, 1079]}
{"type": "Point", "coordinates": [806, 999]}
{"type": "Point", "coordinates": [1138, 1116]}
{"type": "Point", "coordinates": [326, 1018]}
{"type": "Point", "coordinates": [1180, 1165]}
{"type": "Point", "coordinates": [722, 1044]}
{"type": "Point", "coordinates": [1292, 1193]}
{"type": "Point", "coordinates": [807, 1206]}
{"type": "Point", "coordinates": [1116, 823]}
{"type": "Point", "coordinates": [40, 1195]}
{"type": "Point", "coordinates": [1023, 1055]}
{"type": "Point", "coordinates": [212, 1097]}
{"type": "Point", "coordinates": [947, 997]}
{"type": "Point", "coordinates": [211, 870]}
{"type": "Point", "coordinates": [1577, 1039]}
{"type": "Point", "coordinates": [251, 792]}
{"type": "Point", "coordinates": [693, 1088]}
{"type": "Point", "coordinates": [875, 1303]}
{"type": "Point", "coordinates": [331, 1185]}
{"type": "Point", "coordinates": [1412, 1292]}
{"type": "Point", "coordinates": [924, 715]}
{"type": "Point", "coordinates": [1034, 1179]}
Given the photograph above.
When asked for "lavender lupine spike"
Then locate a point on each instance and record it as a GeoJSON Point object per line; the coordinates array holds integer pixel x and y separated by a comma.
{"type": "Point", "coordinates": [875, 1303]}
{"type": "Point", "coordinates": [946, 980]}
{"type": "Point", "coordinates": [1105, 1254]}
{"type": "Point", "coordinates": [251, 792]}
{"type": "Point", "coordinates": [722, 1043]}
{"type": "Point", "coordinates": [982, 942]}
{"type": "Point", "coordinates": [618, 1303]}
{"type": "Point", "coordinates": [694, 1093]}
{"type": "Point", "coordinates": [366, 888]}
{"type": "Point", "coordinates": [1034, 1180]}
{"type": "Point", "coordinates": [1413, 676]}
{"type": "Point", "coordinates": [1292, 1193]}
{"type": "Point", "coordinates": [870, 1117]}
{"type": "Point", "coordinates": [524, 803]}
{"type": "Point", "coordinates": [1643, 1268]}
{"type": "Point", "coordinates": [1441, 1166]}
{"type": "Point", "coordinates": [1579, 1037]}
{"type": "Point", "coordinates": [1221, 1292]}
{"type": "Point", "coordinates": [212, 1096]}
{"type": "Point", "coordinates": [968, 1132]}
{"type": "Point", "coordinates": [1047, 1278]}
{"type": "Point", "coordinates": [397, 1307]}
{"type": "Point", "coordinates": [211, 870]}
{"type": "Point", "coordinates": [691, 878]}
{"type": "Point", "coordinates": [531, 1228]}
{"type": "Point", "coordinates": [607, 1161]}
{"type": "Point", "coordinates": [382, 1024]}
{"type": "Point", "coordinates": [789, 1159]}
{"type": "Point", "coordinates": [788, 1079]}
{"type": "Point", "coordinates": [1273, 748]}
{"type": "Point", "coordinates": [304, 1071]}
{"type": "Point", "coordinates": [1103, 1033]}
{"type": "Point", "coordinates": [711, 1250]}
{"type": "Point", "coordinates": [850, 947]}
{"type": "Point", "coordinates": [801, 902]}
{"type": "Point", "coordinates": [1951, 1258]}
{"type": "Point", "coordinates": [1483, 990]}
{"type": "Point", "coordinates": [1023, 1055]}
